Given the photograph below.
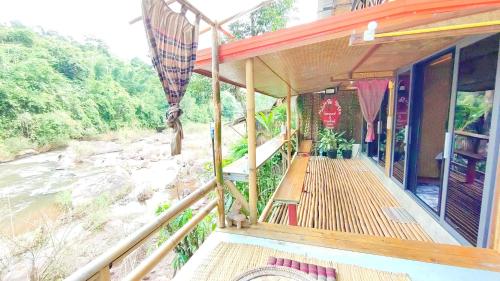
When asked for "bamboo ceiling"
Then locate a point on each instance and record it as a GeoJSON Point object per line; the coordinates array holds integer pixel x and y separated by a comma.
{"type": "Point", "coordinates": [321, 63]}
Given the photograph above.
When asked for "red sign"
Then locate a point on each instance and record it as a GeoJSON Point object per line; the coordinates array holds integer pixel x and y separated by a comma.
{"type": "Point", "coordinates": [330, 112]}
{"type": "Point", "coordinates": [402, 112]}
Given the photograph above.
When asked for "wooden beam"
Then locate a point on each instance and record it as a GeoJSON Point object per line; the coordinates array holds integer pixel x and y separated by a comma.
{"type": "Point", "coordinates": [367, 55]}
{"type": "Point", "coordinates": [237, 195]}
{"type": "Point", "coordinates": [388, 143]}
{"type": "Point", "coordinates": [458, 30]}
{"type": "Point", "coordinates": [218, 127]}
{"type": "Point", "coordinates": [252, 139]}
{"type": "Point", "coordinates": [289, 126]}
{"type": "Point", "coordinates": [468, 257]}
{"type": "Point", "coordinates": [495, 213]}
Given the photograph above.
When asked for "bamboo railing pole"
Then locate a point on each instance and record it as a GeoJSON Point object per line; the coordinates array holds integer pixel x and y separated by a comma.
{"type": "Point", "coordinates": [136, 239]}
{"type": "Point", "coordinates": [289, 126]}
{"type": "Point", "coordinates": [390, 116]}
{"type": "Point", "coordinates": [494, 239]}
{"type": "Point", "coordinates": [252, 139]}
{"type": "Point", "coordinates": [237, 195]}
{"type": "Point", "coordinates": [151, 261]}
{"type": "Point", "coordinates": [217, 120]}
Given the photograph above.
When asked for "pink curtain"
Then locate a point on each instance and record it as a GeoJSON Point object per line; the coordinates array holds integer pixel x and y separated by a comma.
{"type": "Point", "coordinates": [370, 94]}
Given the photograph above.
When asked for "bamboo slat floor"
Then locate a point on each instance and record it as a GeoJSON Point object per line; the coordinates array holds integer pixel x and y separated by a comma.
{"type": "Point", "coordinates": [345, 195]}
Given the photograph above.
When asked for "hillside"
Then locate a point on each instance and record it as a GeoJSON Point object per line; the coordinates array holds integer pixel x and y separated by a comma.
{"type": "Point", "coordinates": [53, 89]}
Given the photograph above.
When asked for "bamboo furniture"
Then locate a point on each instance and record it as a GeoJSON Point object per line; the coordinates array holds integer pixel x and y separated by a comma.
{"type": "Point", "coordinates": [290, 189]}
{"type": "Point", "coordinates": [238, 170]}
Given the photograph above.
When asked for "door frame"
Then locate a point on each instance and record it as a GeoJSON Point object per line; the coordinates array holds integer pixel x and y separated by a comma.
{"type": "Point", "coordinates": [492, 157]}
{"type": "Point", "coordinates": [393, 143]}
{"type": "Point", "coordinates": [415, 126]}
{"type": "Point", "coordinates": [494, 142]}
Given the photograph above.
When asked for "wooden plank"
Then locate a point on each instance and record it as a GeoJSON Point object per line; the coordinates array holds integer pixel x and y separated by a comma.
{"type": "Point", "coordinates": [263, 153]}
{"type": "Point", "coordinates": [252, 140]}
{"type": "Point", "coordinates": [290, 189]}
{"type": "Point", "coordinates": [468, 257]}
{"type": "Point", "coordinates": [237, 195]}
{"type": "Point", "coordinates": [305, 146]}
{"type": "Point", "coordinates": [472, 135]}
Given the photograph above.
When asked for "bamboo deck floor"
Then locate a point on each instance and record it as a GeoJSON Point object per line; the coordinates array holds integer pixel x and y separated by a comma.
{"type": "Point", "coordinates": [345, 195]}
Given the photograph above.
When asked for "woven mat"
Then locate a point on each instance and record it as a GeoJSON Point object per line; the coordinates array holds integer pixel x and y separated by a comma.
{"type": "Point", "coordinates": [228, 260]}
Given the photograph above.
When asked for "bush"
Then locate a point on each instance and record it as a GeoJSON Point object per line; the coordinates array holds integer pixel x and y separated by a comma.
{"type": "Point", "coordinates": [192, 241]}
{"type": "Point", "coordinates": [55, 128]}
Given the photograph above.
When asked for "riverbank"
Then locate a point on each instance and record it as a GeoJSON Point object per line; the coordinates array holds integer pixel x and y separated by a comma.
{"type": "Point", "coordinates": [67, 206]}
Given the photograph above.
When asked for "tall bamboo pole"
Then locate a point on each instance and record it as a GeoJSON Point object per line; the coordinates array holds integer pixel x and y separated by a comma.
{"type": "Point", "coordinates": [217, 121]}
{"type": "Point", "coordinates": [494, 242]}
{"type": "Point", "coordinates": [252, 139]}
{"type": "Point", "coordinates": [388, 143]}
{"type": "Point", "coordinates": [289, 126]}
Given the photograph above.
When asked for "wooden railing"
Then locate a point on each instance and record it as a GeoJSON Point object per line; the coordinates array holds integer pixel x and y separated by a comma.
{"type": "Point", "coordinates": [99, 268]}
{"type": "Point", "coordinates": [361, 4]}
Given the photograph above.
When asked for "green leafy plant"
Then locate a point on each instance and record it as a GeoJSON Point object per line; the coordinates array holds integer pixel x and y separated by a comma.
{"type": "Point", "coordinates": [346, 144]}
{"type": "Point", "coordinates": [186, 248]}
{"type": "Point", "coordinates": [329, 139]}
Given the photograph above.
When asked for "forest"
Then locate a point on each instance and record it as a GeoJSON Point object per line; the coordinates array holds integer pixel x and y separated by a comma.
{"type": "Point", "coordinates": [53, 89]}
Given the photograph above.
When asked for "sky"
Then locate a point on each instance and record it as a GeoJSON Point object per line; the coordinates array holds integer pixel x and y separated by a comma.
{"type": "Point", "coordinates": [108, 20]}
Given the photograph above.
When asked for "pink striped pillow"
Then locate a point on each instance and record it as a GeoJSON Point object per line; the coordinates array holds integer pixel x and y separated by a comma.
{"type": "Point", "coordinates": [315, 271]}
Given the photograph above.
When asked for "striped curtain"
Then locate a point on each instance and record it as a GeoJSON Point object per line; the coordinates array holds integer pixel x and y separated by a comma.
{"type": "Point", "coordinates": [173, 42]}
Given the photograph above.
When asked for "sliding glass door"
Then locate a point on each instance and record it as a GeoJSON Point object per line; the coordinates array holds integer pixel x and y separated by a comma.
{"type": "Point", "coordinates": [430, 112]}
{"type": "Point", "coordinates": [400, 137]}
{"type": "Point", "coordinates": [472, 133]}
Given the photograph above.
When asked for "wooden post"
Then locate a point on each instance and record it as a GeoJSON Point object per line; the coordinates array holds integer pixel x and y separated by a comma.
{"type": "Point", "coordinates": [289, 126]}
{"type": "Point", "coordinates": [388, 142]}
{"type": "Point", "coordinates": [252, 139]}
{"type": "Point", "coordinates": [217, 121]}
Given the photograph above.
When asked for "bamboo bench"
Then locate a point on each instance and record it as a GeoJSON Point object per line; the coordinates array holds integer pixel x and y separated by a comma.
{"type": "Point", "coordinates": [305, 147]}
{"type": "Point", "coordinates": [290, 189]}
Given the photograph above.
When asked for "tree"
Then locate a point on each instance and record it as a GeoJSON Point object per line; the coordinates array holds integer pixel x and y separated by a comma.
{"type": "Point", "coordinates": [269, 18]}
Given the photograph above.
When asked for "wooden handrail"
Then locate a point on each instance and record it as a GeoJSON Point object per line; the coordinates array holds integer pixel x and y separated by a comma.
{"type": "Point", "coordinates": [133, 241]}
{"type": "Point", "coordinates": [152, 260]}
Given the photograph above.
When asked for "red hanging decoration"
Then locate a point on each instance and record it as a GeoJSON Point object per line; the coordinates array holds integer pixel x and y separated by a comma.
{"type": "Point", "coordinates": [330, 112]}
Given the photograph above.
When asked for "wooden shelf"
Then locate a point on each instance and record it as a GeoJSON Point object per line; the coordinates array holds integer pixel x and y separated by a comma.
{"type": "Point", "coordinates": [470, 155]}
{"type": "Point", "coordinates": [472, 135]}
{"type": "Point", "coordinates": [238, 170]}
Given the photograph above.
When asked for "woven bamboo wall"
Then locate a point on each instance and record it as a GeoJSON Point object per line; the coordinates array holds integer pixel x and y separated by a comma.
{"type": "Point", "coordinates": [350, 121]}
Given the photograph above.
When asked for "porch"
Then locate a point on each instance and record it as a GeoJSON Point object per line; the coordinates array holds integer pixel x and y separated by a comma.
{"type": "Point", "coordinates": [347, 196]}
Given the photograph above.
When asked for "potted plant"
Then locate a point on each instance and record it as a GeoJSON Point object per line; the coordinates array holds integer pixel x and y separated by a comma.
{"type": "Point", "coordinates": [323, 143]}
{"type": "Point", "coordinates": [346, 148]}
{"type": "Point", "coordinates": [329, 142]}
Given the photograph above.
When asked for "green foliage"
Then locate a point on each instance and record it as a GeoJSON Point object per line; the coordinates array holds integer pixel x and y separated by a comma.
{"type": "Point", "coordinates": [53, 89]}
{"type": "Point", "coordinates": [268, 18]}
{"type": "Point", "coordinates": [346, 145]}
{"type": "Point", "coordinates": [192, 241]}
{"type": "Point", "coordinates": [329, 139]}
{"type": "Point", "coordinates": [471, 107]}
